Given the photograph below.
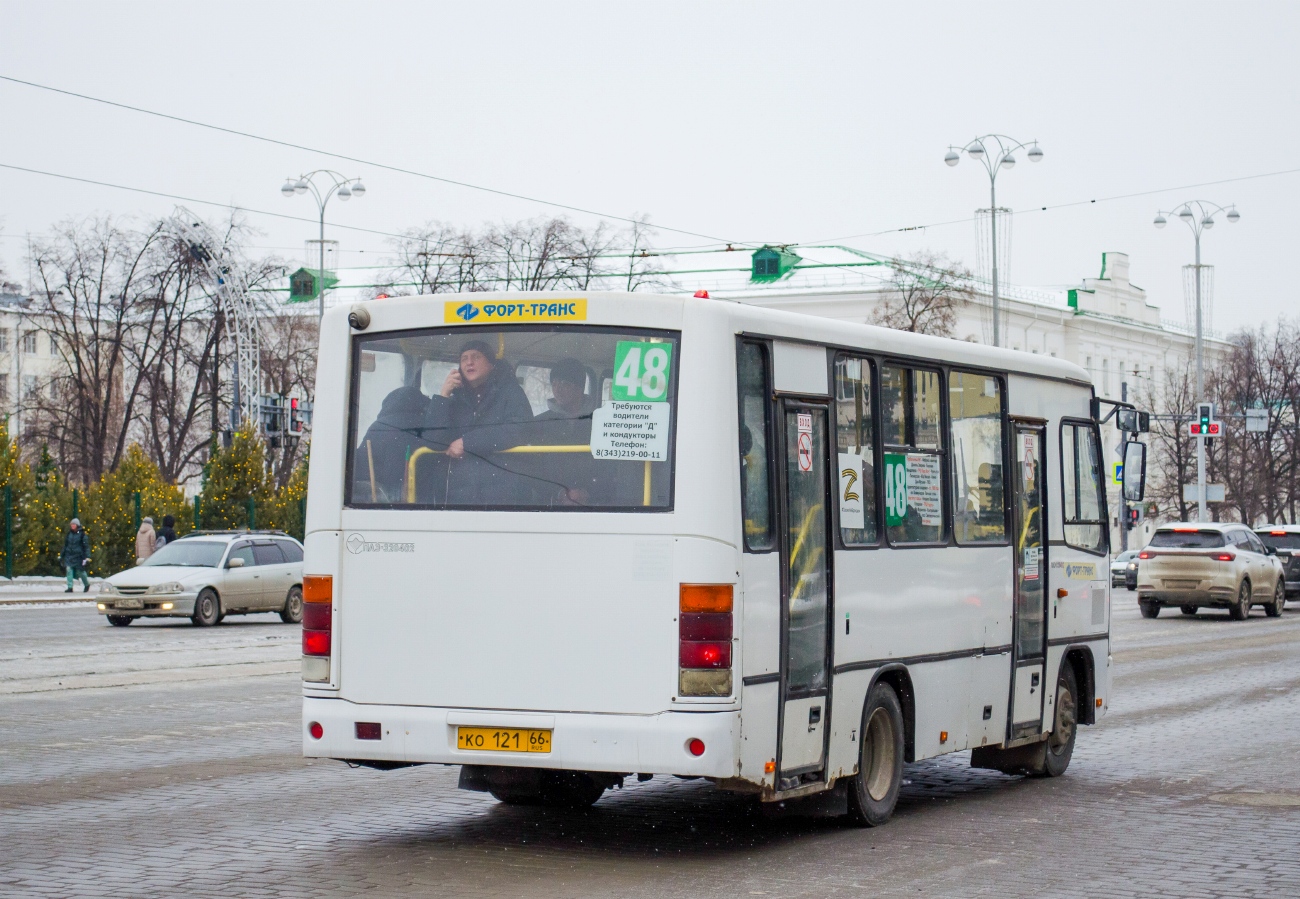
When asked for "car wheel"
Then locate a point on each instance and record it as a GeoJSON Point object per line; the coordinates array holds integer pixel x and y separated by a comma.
{"type": "Point", "coordinates": [1065, 726]}
{"type": "Point", "coordinates": [873, 791]}
{"type": "Point", "coordinates": [207, 609]}
{"type": "Point", "coordinates": [1274, 609]}
{"type": "Point", "coordinates": [292, 611]}
{"type": "Point", "coordinates": [1188, 610]}
{"type": "Point", "coordinates": [120, 620]}
{"type": "Point", "coordinates": [1240, 610]}
{"type": "Point", "coordinates": [1149, 608]}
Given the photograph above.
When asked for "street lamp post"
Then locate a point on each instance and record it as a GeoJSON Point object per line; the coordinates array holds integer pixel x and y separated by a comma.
{"type": "Point", "coordinates": [339, 186]}
{"type": "Point", "coordinates": [1199, 216]}
{"type": "Point", "coordinates": [1004, 158]}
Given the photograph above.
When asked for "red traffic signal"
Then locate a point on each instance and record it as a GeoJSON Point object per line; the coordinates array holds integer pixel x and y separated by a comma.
{"type": "Point", "coordinates": [1214, 429]}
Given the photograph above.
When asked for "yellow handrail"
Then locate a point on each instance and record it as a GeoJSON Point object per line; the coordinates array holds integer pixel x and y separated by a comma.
{"type": "Point", "coordinates": [558, 448]}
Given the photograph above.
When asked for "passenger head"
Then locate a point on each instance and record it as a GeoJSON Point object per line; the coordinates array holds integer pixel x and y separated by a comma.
{"type": "Point", "coordinates": [169, 521]}
{"type": "Point", "coordinates": [475, 362]}
{"type": "Point", "coordinates": [568, 385]}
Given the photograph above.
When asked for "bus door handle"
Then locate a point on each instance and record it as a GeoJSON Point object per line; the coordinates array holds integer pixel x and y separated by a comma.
{"type": "Point", "coordinates": [814, 718]}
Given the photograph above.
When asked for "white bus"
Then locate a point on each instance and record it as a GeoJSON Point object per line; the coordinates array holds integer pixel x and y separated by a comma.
{"type": "Point", "coordinates": [560, 540]}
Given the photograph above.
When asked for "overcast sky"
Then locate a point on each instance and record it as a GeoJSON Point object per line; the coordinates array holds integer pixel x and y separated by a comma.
{"type": "Point", "coordinates": [747, 122]}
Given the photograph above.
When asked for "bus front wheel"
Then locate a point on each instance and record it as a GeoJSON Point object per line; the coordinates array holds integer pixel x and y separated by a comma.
{"type": "Point", "coordinates": [873, 792]}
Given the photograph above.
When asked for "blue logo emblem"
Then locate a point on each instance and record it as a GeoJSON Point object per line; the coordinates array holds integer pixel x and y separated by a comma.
{"type": "Point", "coordinates": [468, 311]}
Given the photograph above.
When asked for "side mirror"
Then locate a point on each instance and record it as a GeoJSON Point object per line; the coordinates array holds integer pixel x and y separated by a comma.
{"type": "Point", "coordinates": [1271, 550]}
{"type": "Point", "coordinates": [235, 563]}
{"type": "Point", "coordinates": [1135, 471]}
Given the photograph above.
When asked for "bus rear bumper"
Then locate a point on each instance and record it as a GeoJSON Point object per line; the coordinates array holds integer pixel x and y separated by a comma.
{"type": "Point", "coordinates": [623, 744]}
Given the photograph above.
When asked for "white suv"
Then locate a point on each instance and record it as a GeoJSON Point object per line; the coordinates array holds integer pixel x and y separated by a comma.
{"type": "Point", "coordinates": [206, 576]}
{"type": "Point", "coordinates": [1221, 564]}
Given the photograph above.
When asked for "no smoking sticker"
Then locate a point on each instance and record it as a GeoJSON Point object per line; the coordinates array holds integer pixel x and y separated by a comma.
{"type": "Point", "coordinates": [805, 451]}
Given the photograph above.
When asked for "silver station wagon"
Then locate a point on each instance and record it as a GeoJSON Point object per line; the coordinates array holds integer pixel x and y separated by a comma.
{"type": "Point", "coordinates": [206, 576]}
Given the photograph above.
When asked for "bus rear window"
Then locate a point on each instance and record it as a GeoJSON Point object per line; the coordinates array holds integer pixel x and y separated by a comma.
{"type": "Point", "coordinates": [528, 418]}
{"type": "Point", "coordinates": [1187, 539]}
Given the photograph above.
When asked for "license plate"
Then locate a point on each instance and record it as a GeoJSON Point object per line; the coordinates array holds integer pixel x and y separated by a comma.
{"type": "Point", "coordinates": [503, 739]}
{"type": "Point", "coordinates": [129, 604]}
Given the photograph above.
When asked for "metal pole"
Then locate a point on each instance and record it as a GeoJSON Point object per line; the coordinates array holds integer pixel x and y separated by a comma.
{"type": "Point", "coordinates": [137, 510]}
{"type": "Point", "coordinates": [252, 509]}
{"type": "Point", "coordinates": [1123, 500]}
{"type": "Point", "coordinates": [75, 496]}
{"type": "Point", "coordinates": [9, 532]}
{"type": "Point", "coordinates": [993, 232]}
{"type": "Point", "coordinates": [321, 285]}
{"type": "Point", "coordinates": [1200, 389]}
{"type": "Point", "coordinates": [198, 502]}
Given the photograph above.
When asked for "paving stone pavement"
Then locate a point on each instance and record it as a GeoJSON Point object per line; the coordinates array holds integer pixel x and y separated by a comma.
{"type": "Point", "coordinates": [159, 760]}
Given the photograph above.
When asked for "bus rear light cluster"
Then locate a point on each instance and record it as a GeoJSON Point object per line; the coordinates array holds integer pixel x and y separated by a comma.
{"type": "Point", "coordinates": [704, 630]}
{"type": "Point", "coordinates": [317, 627]}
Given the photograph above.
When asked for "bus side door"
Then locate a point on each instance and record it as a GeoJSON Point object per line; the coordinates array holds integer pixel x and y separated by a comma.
{"type": "Point", "coordinates": [805, 593]}
{"type": "Point", "coordinates": [1029, 630]}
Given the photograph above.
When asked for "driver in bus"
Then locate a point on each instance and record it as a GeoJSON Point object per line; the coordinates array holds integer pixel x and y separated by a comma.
{"type": "Point", "coordinates": [480, 411]}
{"type": "Point", "coordinates": [567, 422]}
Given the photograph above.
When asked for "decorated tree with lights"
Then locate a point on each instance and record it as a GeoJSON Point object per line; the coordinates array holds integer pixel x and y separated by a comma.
{"type": "Point", "coordinates": [232, 476]}
{"type": "Point", "coordinates": [110, 509]}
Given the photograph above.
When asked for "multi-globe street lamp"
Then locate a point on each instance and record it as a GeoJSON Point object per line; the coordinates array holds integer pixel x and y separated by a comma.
{"type": "Point", "coordinates": [338, 186]}
{"type": "Point", "coordinates": [1199, 216]}
{"type": "Point", "coordinates": [982, 150]}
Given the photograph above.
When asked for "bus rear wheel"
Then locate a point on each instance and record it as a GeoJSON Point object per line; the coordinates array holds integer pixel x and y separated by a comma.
{"type": "Point", "coordinates": [873, 792]}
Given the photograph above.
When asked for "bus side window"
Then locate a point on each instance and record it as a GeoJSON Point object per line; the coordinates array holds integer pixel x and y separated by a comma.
{"type": "Point", "coordinates": [1082, 487]}
{"type": "Point", "coordinates": [755, 465]}
{"type": "Point", "coordinates": [856, 444]}
{"type": "Point", "coordinates": [976, 437]}
{"type": "Point", "coordinates": [910, 408]}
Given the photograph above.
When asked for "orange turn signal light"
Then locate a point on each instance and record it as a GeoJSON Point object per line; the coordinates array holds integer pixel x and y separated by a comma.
{"type": "Point", "coordinates": [317, 588]}
{"type": "Point", "coordinates": [769, 767]}
{"type": "Point", "coordinates": [1098, 703]}
{"type": "Point", "coordinates": [1061, 593]}
{"type": "Point", "coordinates": [943, 736]}
{"type": "Point", "coordinates": [706, 597]}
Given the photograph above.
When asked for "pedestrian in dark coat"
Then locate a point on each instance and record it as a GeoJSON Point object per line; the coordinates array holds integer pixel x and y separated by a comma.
{"type": "Point", "coordinates": [76, 555]}
{"type": "Point", "coordinates": [168, 532]}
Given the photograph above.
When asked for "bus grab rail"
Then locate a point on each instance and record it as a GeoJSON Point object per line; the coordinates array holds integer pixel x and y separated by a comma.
{"type": "Point", "coordinates": [528, 449]}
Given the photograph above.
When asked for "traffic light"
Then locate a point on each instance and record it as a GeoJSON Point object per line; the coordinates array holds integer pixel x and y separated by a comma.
{"type": "Point", "coordinates": [1205, 412]}
{"type": "Point", "coordinates": [1134, 516]}
{"type": "Point", "coordinates": [295, 416]}
{"type": "Point", "coordinates": [1204, 424]}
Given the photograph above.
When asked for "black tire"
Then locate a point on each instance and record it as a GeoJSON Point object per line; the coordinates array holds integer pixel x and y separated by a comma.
{"type": "Point", "coordinates": [1274, 609]}
{"type": "Point", "coordinates": [120, 620]}
{"type": "Point", "coordinates": [1149, 608]}
{"type": "Point", "coordinates": [1188, 610]}
{"type": "Point", "coordinates": [292, 611]}
{"type": "Point", "coordinates": [1065, 725]}
{"type": "Point", "coordinates": [1240, 610]}
{"type": "Point", "coordinates": [873, 791]}
{"type": "Point", "coordinates": [207, 609]}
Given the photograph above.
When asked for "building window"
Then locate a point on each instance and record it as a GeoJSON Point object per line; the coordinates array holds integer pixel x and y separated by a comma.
{"type": "Point", "coordinates": [1105, 377]}
{"type": "Point", "coordinates": [856, 446]}
{"type": "Point", "coordinates": [975, 426]}
{"type": "Point", "coordinates": [29, 386]}
{"type": "Point", "coordinates": [4, 340]}
{"type": "Point", "coordinates": [913, 462]}
{"type": "Point", "coordinates": [4, 388]}
{"type": "Point", "coordinates": [29, 342]}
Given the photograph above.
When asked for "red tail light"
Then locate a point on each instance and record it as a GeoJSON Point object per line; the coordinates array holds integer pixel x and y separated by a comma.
{"type": "Point", "coordinates": [317, 626]}
{"type": "Point", "coordinates": [700, 654]}
{"type": "Point", "coordinates": [1224, 557]}
{"type": "Point", "coordinates": [704, 632]}
{"type": "Point", "coordinates": [1145, 554]}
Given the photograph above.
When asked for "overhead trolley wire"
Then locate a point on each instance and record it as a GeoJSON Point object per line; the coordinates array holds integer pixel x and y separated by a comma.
{"type": "Point", "coordinates": [356, 159]}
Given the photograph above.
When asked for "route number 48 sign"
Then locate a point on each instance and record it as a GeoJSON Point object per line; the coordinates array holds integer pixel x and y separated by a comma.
{"type": "Point", "coordinates": [641, 372]}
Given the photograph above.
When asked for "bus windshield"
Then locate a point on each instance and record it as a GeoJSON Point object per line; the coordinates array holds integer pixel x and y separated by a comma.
{"type": "Point", "coordinates": [529, 418]}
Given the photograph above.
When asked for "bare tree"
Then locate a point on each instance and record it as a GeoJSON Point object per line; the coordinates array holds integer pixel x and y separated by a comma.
{"type": "Point", "coordinates": [437, 258]}
{"type": "Point", "coordinates": [924, 294]}
{"type": "Point", "coordinates": [289, 343]}
{"type": "Point", "coordinates": [96, 296]}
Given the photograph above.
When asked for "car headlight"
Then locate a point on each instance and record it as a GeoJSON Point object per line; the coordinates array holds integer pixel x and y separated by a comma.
{"type": "Point", "coordinates": [106, 587]}
{"type": "Point", "coordinates": [170, 587]}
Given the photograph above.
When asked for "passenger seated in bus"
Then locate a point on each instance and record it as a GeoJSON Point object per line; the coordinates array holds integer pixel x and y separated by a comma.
{"type": "Point", "coordinates": [567, 422]}
{"type": "Point", "coordinates": [380, 460]}
{"type": "Point", "coordinates": [480, 411]}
